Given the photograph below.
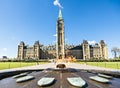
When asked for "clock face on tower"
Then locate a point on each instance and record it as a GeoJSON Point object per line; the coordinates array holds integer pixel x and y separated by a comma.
{"type": "Point", "coordinates": [60, 26]}
{"type": "Point", "coordinates": [61, 22]}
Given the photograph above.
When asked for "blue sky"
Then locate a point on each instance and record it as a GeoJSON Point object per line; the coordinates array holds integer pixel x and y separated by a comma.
{"type": "Point", "coordinates": [31, 20]}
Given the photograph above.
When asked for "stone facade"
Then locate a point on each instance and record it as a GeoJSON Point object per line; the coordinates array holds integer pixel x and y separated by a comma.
{"type": "Point", "coordinates": [81, 51]}
{"type": "Point", "coordinates": [26, 52]}
{"type": "Point", "coordinates": [60, 50]}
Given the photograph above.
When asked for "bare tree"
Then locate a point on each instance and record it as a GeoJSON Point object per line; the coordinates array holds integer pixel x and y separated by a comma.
{"type": "Point", "coordinates": [115, 51]}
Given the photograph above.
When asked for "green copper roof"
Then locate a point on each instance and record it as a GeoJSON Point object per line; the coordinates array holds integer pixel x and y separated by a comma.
{"type": "Point", "coordinates": [60, 14]}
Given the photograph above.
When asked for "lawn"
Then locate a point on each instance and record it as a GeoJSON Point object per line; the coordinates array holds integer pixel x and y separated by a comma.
{"type": "Point", "coordinates": [113, 65]}
{"type": "Point", "coordinates": [8, 65]}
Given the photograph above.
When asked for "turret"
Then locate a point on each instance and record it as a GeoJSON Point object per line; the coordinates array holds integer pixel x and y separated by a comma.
{"type": "Point", "coordinates": [36, 49]}
{"type": "Point", "coordinates": [104, 49]}
{"type": "Point", "coordinates": [20, 55]}
{"type": "Point", "coordinates": [86, 50]}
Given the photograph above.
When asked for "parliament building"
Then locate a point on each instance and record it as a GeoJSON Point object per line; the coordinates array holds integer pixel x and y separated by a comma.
{"type": "Point", "coordinates": [61, 50]}
{"type": "Point", "coordinates": [82, 51]}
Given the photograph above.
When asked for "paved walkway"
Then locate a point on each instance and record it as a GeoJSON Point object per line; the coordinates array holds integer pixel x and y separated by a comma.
{"type": "Point", "coordinates": [68, 65]}
{"type": "Point", "coordinates": [88, 67]}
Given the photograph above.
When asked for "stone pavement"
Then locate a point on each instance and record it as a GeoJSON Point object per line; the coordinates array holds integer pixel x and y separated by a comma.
{"type": "Point", "coordinates": [68, 65]}
{"type": "Point", "coordinates": [88, 67]}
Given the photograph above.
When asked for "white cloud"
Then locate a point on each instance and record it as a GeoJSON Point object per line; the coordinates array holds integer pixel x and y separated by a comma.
{"type": "Point", "coordinates": [66, 39]}
{"type": "Point", "coordinates": [3, 52]}
{"type": "Point", "coordinates": [4, 49]}
{"type": "Point", "coordinates": [92, 42]}
{"type": "Point", "coordinates": [57, 3]}
{"type": "Point", "coordinates": [55, 35]}
{"type": "Point", "coordinates": [54, 41]}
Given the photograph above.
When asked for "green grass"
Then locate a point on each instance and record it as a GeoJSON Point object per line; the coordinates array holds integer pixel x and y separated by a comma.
{"type": "Point", "coordinates": [9, 65]}
{"type": "Point", "coordinates": [113, 65]}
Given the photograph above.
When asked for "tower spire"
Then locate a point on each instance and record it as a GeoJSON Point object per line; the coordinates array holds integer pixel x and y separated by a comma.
{"type": "Point", "coordinates": [60, 14]}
